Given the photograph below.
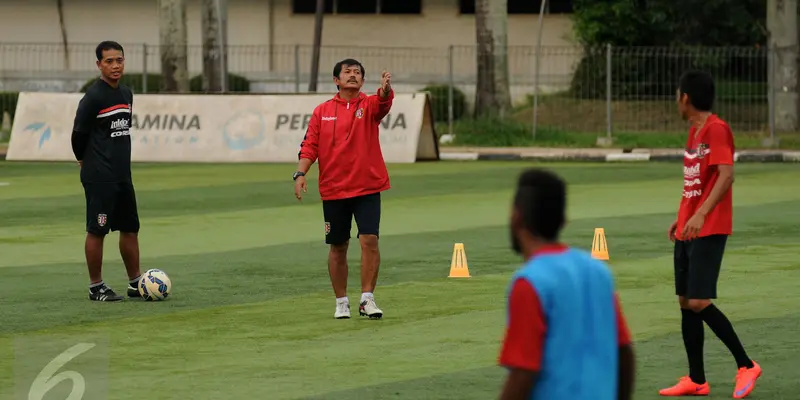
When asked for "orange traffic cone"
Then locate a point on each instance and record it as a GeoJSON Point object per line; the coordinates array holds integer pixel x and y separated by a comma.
{"type": "Point", "coordinates": [458, 265]}
{"type": "Point", "coordinates": [600, 245]}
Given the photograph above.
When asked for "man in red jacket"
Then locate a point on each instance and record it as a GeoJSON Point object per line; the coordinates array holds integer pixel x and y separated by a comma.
{"type": "Point", "coordinates": [343, 137]}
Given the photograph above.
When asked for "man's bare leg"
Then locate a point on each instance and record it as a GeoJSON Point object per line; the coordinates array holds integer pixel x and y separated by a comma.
{"type": "Point", "coordinates": [370, 262]}
{"type": "Point", "coordinates": [129, 250]}
{"type": "Point", "coordinates": [94, 257]}
{"type": "Point", "coordinates": [337, 268]}
{"type": "Point", "coordinates": [98, 290]}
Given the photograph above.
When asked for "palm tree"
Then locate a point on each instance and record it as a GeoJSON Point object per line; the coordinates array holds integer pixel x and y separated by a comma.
{"type": "Point", "coordinates": [492, 96]}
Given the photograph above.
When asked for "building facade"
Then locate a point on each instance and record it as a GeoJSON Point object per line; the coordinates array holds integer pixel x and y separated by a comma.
{"type": "Point", "coordinates": [420, 41]}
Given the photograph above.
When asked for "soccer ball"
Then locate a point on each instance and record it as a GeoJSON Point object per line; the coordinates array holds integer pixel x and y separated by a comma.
{"type": "Point", "coordinates": [155, 285]}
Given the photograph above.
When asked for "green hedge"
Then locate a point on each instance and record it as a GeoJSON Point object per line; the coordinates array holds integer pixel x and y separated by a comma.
{"type": "Point", "coordinates": [8, 103]}
{"type": "Point", "coordinates": [439, 95]}
{"type": "Point", "coordinates": [236, 83]}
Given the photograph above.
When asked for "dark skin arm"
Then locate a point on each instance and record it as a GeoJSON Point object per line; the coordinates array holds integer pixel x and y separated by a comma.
{"type": "Point", "coordinates": [724, 182]}
{"type": "Point", "coordinates": [519, 384]}
{"type": "Point", "coordinates": [627, 368]}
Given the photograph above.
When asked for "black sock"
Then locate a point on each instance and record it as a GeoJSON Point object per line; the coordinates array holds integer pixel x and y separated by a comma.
{"type": "Point", "coordinates": [135, 281]}
{"type": "Point", "coordinates": [722, 327]}
{"type": "Point", "coordinates": [93, 287]}
{"type": "Point", "coordinates": [693, 337]}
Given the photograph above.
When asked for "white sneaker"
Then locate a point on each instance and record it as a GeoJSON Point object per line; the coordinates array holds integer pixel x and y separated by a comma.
{"type": "Point", "coordinates": [370, 309]}
{"type": "Point", "coordinates": [342, 311]}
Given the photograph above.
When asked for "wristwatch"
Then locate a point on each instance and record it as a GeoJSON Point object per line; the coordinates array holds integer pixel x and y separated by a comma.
{"type": "Point", "coordinates": [297, 175]}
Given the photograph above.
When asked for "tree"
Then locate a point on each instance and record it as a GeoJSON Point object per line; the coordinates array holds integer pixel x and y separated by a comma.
{"type": "Point", "coordinates": [214, 36]}
{"type": "Point", "coordinates": [654, 41]}
{"type": "Point", "coordinates": [783, 40]}
{"type": "Point", "coordinates": [492, 95]}
{"type": "Point", "coordinates": [173, 45]}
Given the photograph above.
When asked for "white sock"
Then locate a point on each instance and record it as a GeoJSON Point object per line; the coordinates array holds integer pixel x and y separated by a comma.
{"type": "Point", "coordinates": [367, 295]}
{"type": "Point", "coordinates": [340, 300]}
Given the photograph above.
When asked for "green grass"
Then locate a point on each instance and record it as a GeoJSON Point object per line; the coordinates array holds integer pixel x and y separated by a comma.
{"type": "Point", "coordinates": [251, 312]}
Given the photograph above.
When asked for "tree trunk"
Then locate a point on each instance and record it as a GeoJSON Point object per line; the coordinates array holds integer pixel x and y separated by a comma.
{"type": "Point", "coordinates": [492, 95]}
{"type": "Point", "coordinates": [172, 29]}
{"type": "Point", "coordinates": [64, 40]}
{"type": "Point", "coordinates": [783, 40]}
{"type": "Point", "coordinates": [214, 33]}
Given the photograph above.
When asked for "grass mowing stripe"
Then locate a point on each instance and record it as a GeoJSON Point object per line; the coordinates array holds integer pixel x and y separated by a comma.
{"type": "Point", "coordinates": [660, 360]}
{"type": "Point", "coordinates": [427, 333]}
{"type": "Point", "coordinates": [251, 228]}
{"type": "Point", "coordinates": [263, 273]}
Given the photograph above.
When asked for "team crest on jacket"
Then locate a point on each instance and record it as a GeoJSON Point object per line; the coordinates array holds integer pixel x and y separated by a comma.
{"type": "Point", "coordinates": [359, 113]}
{"type": "Point", "coordinates": [701, 150]}
{"type": "Point", "coordinates": [327, 228]}
{"type": "Point", "coordinates": [101, 219]}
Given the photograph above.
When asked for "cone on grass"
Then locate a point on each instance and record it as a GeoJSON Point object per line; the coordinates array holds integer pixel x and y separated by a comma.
{"type": "Point", "coordinates": [600, 245]}
{"type": "Point", "coordinates": [458, 265]}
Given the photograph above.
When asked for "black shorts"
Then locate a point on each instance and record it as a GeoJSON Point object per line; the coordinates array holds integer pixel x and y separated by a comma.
{"type": "Point", "coordinates": [697, 266]}
{"type": "Point", "coordinates": [110, 207]}
{"type": "Point", "coordinates": [339, 217]}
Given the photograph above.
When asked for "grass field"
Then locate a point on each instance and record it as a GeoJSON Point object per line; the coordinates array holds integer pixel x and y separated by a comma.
{"type": "Point", "coordinates": [251, 315]}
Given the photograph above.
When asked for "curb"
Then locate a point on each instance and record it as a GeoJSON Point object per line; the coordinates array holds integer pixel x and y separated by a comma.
{"type": "Point", "coordinates": [741, 157]}
{"type": "Point", "coordinates": [556, 155]}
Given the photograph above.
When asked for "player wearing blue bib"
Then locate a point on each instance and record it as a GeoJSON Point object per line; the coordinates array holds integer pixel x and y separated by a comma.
{"type": "Point", "coordinates": [566, 335]}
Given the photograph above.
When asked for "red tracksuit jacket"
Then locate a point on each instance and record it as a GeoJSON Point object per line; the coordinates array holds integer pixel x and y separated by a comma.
{"type": "Point", "coordinates": [343, 137]}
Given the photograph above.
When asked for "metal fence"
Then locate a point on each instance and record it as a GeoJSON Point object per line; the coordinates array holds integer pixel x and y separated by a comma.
{"type": "Point", "coordinates": [606, 90]}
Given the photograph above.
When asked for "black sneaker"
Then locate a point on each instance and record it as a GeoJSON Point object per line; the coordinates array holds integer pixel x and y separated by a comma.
{"type": "Point", "coordinates": [133, 292]}
{"type": "Point", "coordinates": [104, 293]}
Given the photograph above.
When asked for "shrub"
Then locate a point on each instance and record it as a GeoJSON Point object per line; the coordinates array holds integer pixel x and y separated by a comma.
{"type": "Point", "coordinates": [236, 83]}
{"type": "Point", "coordinates": [439, 102]}
{"type": "Point", "coordinates": [8, 103]}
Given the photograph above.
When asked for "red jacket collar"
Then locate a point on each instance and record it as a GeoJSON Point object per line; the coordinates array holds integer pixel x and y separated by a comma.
{"type": "Point", "coordinates": [339, 99]}
{"type": "Point", "coordinates": [554, 248]}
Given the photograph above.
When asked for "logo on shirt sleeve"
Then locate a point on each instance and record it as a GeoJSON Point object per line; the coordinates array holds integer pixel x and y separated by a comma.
{"type": "Point", "coordinates": [702, 150]}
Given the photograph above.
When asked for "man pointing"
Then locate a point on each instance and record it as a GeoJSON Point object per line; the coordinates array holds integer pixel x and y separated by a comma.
{"type": "Point", "coordinates": [343, 137]}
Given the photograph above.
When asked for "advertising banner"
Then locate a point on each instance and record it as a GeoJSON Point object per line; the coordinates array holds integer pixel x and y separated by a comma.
{"type": "Point", "coordinates": [214, 128]}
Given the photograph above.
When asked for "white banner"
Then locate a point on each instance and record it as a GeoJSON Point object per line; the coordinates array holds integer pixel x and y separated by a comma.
{"type": "Point", "coordinates": [214, 128]}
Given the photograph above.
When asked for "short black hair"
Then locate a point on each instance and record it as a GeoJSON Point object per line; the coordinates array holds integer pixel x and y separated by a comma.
{"type": "Point", "coordinates": [107, 45]}
{"type": "Point", "coordinates": [699, 86]}
{"type": "Point", "coordinates": [541, 198]}
{"type": "Point", "coordinates": [337, 69]}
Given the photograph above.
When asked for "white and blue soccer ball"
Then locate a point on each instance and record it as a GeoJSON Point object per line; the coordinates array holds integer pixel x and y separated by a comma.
{"type": "Point", "coordinates": [155, 285]}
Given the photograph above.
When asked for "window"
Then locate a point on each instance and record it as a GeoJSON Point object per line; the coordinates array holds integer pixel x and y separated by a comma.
{"type": "Point", "coordinates": [524, 6]}
{"type": "Point", "coordinates": [359, 6]}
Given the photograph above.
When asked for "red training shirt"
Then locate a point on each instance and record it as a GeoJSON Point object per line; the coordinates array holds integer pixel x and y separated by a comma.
{"type": "Point", "coordinates": [712, 146]}
{"type": "Point", "coordinates": [343, 136]}
{"type": "Point", "coordinates": [527, 327]}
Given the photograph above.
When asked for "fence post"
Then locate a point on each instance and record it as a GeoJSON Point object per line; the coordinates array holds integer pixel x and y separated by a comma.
{"type": "Point", "coordinates": [297, 68]}
{"type": "Point", "coordinates": [144, 68]}
{"type": "Point", "coordinates": [771, 93]}
{"type": "Point", "coordinates": [450, 94]}
{"type": "Point", "coordinates": [607, 141]}
{"type": "Point", "coordinates": [536, 73]}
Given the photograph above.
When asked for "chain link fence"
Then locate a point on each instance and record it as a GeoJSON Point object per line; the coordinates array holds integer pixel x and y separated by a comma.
{"type": "Point", "coordinates": [605, 90]}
